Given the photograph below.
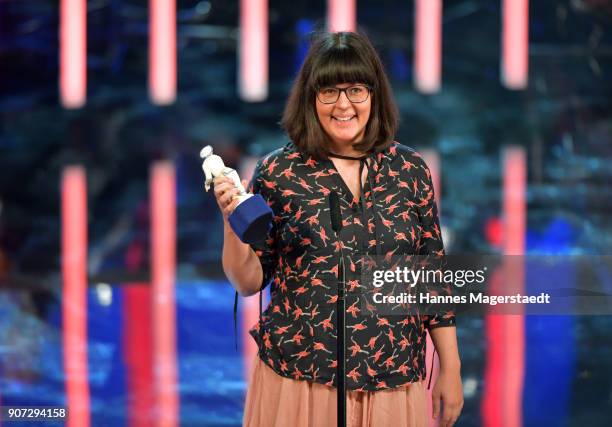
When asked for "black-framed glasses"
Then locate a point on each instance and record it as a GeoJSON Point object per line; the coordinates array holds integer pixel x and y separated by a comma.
{"type": "Point", "coordinates": [355, 94]}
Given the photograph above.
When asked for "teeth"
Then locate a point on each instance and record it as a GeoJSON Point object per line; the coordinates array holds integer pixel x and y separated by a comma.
{"type": "Point", "coordinates": [343, 119]}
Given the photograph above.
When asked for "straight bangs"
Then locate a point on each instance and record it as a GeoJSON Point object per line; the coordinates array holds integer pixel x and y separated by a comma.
{"type": "Point", "coordinates": [341, 64]}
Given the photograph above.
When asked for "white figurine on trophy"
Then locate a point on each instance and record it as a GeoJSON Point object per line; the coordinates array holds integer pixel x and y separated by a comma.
{"type": "Point", "coordinates": [252, 218]}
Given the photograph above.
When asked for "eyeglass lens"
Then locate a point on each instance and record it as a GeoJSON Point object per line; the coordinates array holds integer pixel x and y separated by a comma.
{"type": "Point", "coordinates": [329, 95]}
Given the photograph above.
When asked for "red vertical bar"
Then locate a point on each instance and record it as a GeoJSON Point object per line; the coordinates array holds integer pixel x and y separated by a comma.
{"type": "Point", "coordinates": [73, 53]}
{"type": "Point", "coordinates": [428, 45]}
{"type": "Point", "coordinates": [505, 366]}
{"type": "Point", "coordinates": [515, 43]}
{"type": "Point", "coordinates": [515, 219]}
{"type": "Point", "coordinates": [492, 402]}
{"type": "Point", "coordinates": [341, 15]}
{"type": "Point", "coordinates": [138, 343]}
{"type": "Point", "coordinates": [163, 263]}
{"type": "Point", "coordinates": [162, 51]}
{"type": "Point", "coordinates": [515, 191]}
{"type": "Point", "coordinates": [74, 294]}
{"type": "Point", "coordinates": [253, 73]}
{"type": "Point", "coordinates": [138, 338]}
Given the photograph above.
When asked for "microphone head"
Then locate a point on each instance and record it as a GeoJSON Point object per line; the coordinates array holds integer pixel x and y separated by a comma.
{"type": "Point", "coordinates": [334, 211]}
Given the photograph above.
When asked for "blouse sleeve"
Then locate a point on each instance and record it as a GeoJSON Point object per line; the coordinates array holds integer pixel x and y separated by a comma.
{"type": "Point", "coordinates": [431, 241]}
{"type": "Point", "coordinates": [266, 250]}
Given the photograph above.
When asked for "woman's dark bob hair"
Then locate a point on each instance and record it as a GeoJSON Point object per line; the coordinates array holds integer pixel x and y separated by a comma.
{"type": "Point", "coordinates": [336, 58]}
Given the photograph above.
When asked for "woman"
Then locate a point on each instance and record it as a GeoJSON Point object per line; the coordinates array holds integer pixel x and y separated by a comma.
{"type": "Point", "coordinates": [341, 119]}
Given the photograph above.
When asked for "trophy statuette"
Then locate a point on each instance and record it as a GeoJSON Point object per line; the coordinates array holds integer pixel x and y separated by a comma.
{"type": "Point", "coordinates": [251, 220]}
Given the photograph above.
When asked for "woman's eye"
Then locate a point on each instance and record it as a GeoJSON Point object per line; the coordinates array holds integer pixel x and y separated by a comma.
{"type": "Point", "coordinates": [328, 91]}
{"type": "Point", "coordinates": [357, 90]}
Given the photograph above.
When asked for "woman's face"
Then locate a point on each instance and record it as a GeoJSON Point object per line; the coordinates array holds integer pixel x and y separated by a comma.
{"type": "Point", "coordinates": [344, 121]}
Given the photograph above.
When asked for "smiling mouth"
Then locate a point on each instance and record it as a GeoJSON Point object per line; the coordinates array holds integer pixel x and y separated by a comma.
{"type": "Point", "coordinates": [343, 119]}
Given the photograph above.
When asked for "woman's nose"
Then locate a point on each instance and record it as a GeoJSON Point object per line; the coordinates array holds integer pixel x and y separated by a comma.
{"type": "Point", "coordinates": [343, 100]}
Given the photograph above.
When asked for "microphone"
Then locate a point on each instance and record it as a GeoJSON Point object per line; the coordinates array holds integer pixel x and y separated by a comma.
{"type": "Point", "coordinates": [336, 222]}
{"type": "Point", "coordinates": [334, 211]}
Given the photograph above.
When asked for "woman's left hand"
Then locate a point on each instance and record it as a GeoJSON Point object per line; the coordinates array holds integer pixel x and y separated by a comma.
{"type": "Point", "coordinates": [447, 394]}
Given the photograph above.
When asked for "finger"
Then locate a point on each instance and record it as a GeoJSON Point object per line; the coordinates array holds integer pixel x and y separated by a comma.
{"type": "Point", "coordinates": [451, 413]}
{"type": "Point", "coordinates": [218, 180]}
{"type": "Point", "coordinates": [220, 197]}
{"type": "Point", "coordinates": [221, 187]}
{"type": "Point", "coordinates": [226, 198]}
{"type": "Point", "coordinates": [435, 403]}
{"type": "Point", "coordinates": [230, 208]}
{"type": "Point", "coordinates": [223, 201]}
{"type": "Point", "coordinates": [230, 196]}
{"type": "Point", "coordinates": [222, 179]}
{"type": "Point", "coordinates": [457, 412]}
{"type": "Point", "coordinates": [224, 183]}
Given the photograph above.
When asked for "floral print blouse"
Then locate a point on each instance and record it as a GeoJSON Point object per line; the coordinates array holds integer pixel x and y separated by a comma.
{"type": "Point", "coordinates": [296, 334]}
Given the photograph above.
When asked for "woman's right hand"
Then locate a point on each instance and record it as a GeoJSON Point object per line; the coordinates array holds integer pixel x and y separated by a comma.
{"type": "Point", "coordinates": [225, 193]}
{"type": "Point", "coordinates": [240, 263]}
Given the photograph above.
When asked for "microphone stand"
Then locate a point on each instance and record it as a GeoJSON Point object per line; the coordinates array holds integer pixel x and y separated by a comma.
{"type": "Point", "coordinates": [336, 220]}
{"type": "Point", "coordinates": [341, 344]}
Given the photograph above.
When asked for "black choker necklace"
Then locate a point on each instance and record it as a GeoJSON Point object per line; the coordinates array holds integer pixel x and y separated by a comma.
{"type": "Point", "coordinates": [340, 156]}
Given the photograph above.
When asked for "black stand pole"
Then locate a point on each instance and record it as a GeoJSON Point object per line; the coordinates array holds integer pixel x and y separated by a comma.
{"type": "Point", "coordinates": [336, 222]}
{"type": "Point", "coordinates": [341, 346]}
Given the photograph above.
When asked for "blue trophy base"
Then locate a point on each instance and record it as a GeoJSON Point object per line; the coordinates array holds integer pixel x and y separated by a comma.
{"type": "Point", "coordinates": [252, 219]}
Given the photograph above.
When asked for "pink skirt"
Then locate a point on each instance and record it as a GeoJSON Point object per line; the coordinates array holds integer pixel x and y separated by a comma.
{"type": "Point", "coordinates": [276, 401]}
